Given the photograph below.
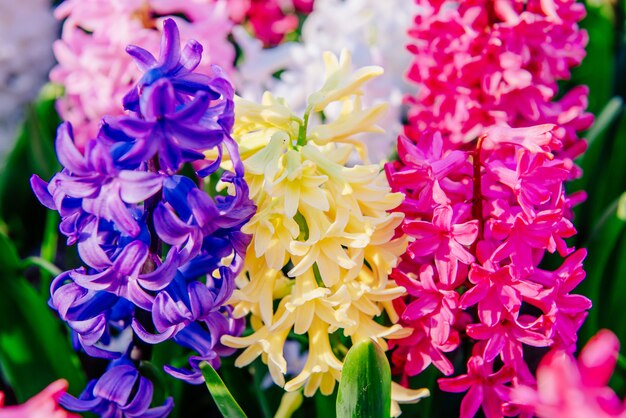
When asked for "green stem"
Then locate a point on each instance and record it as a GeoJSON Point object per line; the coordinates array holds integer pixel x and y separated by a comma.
{"type": "Point", "coordinates": [303, 129]}
{"type": "Point", "coordinates": [48, 250]}
{"type": "Point", "coordinates": [265, 408]}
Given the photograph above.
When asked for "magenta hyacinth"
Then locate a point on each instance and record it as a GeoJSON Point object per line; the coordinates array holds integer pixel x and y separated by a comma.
{"type": "Point", "coordinates": [480, 63]}
{"type": "Point", "coordinates": [481, 220]}
{"type": "Point", "coordinates": [483, 165]}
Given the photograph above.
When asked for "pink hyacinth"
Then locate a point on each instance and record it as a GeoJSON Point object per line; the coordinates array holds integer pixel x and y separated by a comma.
{"type": "Point", "coordinates": [570, 388]}
{"type": "Point", "coordinates": [43, 405]}
{"type": "Point", "coordinates": [93, 65]}
{"type": "Point", "coordinates": [482, 216]}
{"type": "Point", "coordinates": [270, 20]}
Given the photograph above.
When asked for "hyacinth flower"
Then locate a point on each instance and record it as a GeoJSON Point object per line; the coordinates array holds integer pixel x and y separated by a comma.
{"type": "Point", "coordinates": [161, 255]}
{"type": "Point", "coordinates": [481, 221]}
{"type": "Point", "coordinates": [95, 70]}
{"type": "Point", "coordinates": [44, 404]}
{"type": "Point", "coordinates": [576, 388]}
{"type": "Point", "coordinates": [371, 30]}
{"type": "Point", "coordinates": [323, 239]}
{"type": "Point", "coordinates": [480, 63]}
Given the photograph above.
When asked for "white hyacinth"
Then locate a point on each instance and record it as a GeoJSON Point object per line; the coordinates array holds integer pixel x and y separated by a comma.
{"type": "Point", "coordinates": [373, 31]}
{"type": "Point", "coordinates": [27, 30]}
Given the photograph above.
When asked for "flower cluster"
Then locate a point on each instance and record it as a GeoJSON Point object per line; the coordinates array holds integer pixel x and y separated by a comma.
{"type": "Point", "coordinates": [44, 404]}
{"type": "Point", "coordinates": [25, 59]}
{"type": "Point", "coordinates": [482, 217]}
{"type": "Point", "coordinates": [567, 388]}
{"type": "Point", "coordinates": [480, 63]}
{"type": "Point", "coordinates": [370, 30]}
{"type": "Point", "coordinates": [269, 20]}
{"type": "Point", "coordinates": [485, 202]}
{"type": "Point", "coordinates": [93, 67]}
{"type": "Point", "coordinates": [323, 239]}
{"type": "Point", "coordinates": [161, 254]}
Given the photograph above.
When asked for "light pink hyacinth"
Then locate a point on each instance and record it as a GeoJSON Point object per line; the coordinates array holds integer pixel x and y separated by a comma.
{"type": "Point", "coordinates": [93, 65]}
{"type": "Point", "coordinates": [570, 388]}
{"type": "Point", "coordinates": [43, 405]}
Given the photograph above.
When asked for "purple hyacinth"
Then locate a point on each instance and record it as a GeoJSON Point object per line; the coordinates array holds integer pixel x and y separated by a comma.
{"type": "Point", "coordinates": [120, 392]}
{"type": "Point", "coordinates": [160, 254]}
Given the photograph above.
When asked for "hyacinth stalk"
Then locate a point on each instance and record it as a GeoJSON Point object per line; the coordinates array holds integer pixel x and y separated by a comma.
{"type": "Point", "coordinates": [485, 202]}
{"type": "Point", "coordinates": [323, 239]}
{"type": "Point", "coordinates": [161, 254]}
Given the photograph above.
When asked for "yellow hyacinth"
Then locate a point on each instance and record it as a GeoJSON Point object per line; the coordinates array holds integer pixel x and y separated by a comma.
{"type": "Point", "coordinates": [323, 239]}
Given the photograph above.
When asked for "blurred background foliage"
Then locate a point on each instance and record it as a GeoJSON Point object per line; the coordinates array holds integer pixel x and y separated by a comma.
{"type": "Point", "coordinates": [35, 347]}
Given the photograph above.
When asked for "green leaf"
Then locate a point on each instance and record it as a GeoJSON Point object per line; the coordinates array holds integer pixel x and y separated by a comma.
{"type": "Point", "coordinates": [601, 245]}
{"type": "Point", "coordinates": [9, 260]}
{"type": "Point", "coordinates": [33, 348]}
{"type": "Point", "coordinates": [220, 393]}
{"type": "Point", "coordinates": [365, 386]}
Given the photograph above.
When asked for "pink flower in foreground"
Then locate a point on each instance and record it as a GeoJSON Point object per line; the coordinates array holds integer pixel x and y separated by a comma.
{"type": "Point", "coordinates": [570, 388]}
{"type": "Point", "coordinates": [43, 405]}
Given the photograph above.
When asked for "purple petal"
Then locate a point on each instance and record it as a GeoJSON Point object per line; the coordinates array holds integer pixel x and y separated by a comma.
{"type": "Point", "coordinates": [158, 100]}
{"type": "Point", "coordinates": [163, 275]}
{"type": "Point", "coordinates": [152, 338]}
{"type": "Point", "coordinates": [142, 58]}
{"type": "Point", "coordinates": [160, 411]}
{"type": "Point", "coordinates": [141, 400]}
{"type": "Point", "coordinates": [40, 188]}
{"type": "Point", "coordinates": [194, 110]}
{"type": "Point", "coordinates": [79, 405]}
{"type": "Point", "coordinates": [201, 299]}
{"type": "Point", "coordinates": [192, 55]}
{"type": "Point", "coordinates": [117, 384]}
{"type": "Point", "coordinates": [203, 209]}
{"type": "Point", "coordinates": [69, 156]}
{"type": "Point", "coordinates": [130, 126]}
{"type": "Point", "coordinates": [195, 136]}
{"type": "Point", "coordinates": [169, 227]}
{"type": "Point", "coordinates": [104, 280]}
{"type": "Point", "coordinates": [137, 186]}
{"type": "Point", "coordinates": [89, 249]}
{"type": "Point", "coordinates": [78, 187]}
{"type": "Point", "coordinates": [169, 55]}
{"type": "Point", "coordinates": [131, 259]}
{"type": "Point", "coordinates": [192, 377]}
